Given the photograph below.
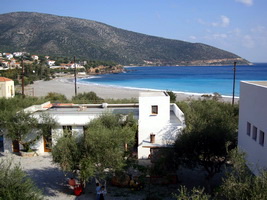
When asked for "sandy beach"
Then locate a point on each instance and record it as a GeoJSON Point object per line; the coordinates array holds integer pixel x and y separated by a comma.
{"type": "Point", "coordinates": [65, 85]}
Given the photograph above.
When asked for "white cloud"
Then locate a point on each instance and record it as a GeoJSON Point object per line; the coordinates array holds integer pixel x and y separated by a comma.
{"type": "Point", "coordinates": [236, 32]}
{"type": "Point", "coordinates": [248, 42]}
{"type": "Point", "coordinates": [259, 29]}
{"type": "Point", "coordinates": [192, 37]}
{"type": "Point", "coordinates": [201, 21]}
{"type": "Point", "coordinates": [246, 2]}
{"type": "Point", "coordinates": [219, 36]}
{"type": "Point", "coordinates": [225, 21]}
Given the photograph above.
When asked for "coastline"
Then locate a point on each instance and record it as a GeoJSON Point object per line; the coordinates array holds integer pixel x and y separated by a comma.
{"type": "Point", "coordinates": [64, 85]}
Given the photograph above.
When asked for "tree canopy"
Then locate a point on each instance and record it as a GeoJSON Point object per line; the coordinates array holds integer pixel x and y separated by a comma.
{"type": "Point", "coordinates": [240, 183]}
{"type": "Point", "coordinates": [100, 148]}
{"type": "Point", "coordinates": [25, 128]}
{"type": "Point", "coordinates": [15, 184]}
{"type": "Point", "coordinates": [210, 133]}
{"type": "Point", "coordinates": [87, 97]}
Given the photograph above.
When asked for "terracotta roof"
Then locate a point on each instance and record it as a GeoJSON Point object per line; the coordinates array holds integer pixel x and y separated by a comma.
{"type": "Point", "coordinates": [4, 79]}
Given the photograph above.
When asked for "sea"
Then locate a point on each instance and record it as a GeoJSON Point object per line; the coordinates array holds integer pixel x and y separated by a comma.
{"type": "Point", "coordinates": [185, 79]}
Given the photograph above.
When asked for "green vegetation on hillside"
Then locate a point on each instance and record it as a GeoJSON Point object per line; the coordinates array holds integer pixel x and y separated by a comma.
{"type": "Point", "coordinates": [66, 36]}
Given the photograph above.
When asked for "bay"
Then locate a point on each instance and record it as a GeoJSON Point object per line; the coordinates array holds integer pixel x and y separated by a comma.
{"type": "Point", "coordinates": [187, 79]}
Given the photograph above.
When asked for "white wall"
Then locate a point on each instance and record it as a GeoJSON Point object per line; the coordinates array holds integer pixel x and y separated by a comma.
{"type": "Point", "coordinates": [73, 119]}
{"type": "Point", "coordinates": [253, 109]}
{"type": "Point", "coordinates": [7, 89]}
{"type": "Point", "coordinates": [151, 123]}
{"type": "Point", "coordinates": [7, 145]}
{"type": "Point", "coordinates": [177, 111]}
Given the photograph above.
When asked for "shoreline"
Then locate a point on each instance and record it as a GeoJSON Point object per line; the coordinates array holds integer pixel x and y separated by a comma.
{"type": "Point", "coordinates": [64, 85]}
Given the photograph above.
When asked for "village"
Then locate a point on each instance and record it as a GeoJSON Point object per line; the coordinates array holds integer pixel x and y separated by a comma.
{"type": "Point", "coordinates": [63, 65]}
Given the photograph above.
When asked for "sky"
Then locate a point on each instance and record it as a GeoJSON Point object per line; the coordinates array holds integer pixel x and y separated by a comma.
{"type": "Point", "coordinates": [238, 26]}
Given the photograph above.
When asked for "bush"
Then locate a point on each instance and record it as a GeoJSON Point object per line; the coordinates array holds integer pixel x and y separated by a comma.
{"type": "Point", "coordinates": [87, 97]}
{"type": "Point", "coordinates": [15, 184]}
{"type": "Point", "coordinates": [53, 96]}
{"type": "Point", "coordinates": [172, 96]}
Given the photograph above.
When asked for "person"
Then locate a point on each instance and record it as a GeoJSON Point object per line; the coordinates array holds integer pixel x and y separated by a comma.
{"type": "Point", "coordinates": [102, 193]}
{"type": "Point", "coordinates": [98, 188]}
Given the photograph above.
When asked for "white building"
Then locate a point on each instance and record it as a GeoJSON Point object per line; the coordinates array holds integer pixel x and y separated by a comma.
{"type": "Point", "coordinates": [154, 113]}
{"type": "Point", "coordinates": [7, 88]}
{"type": "Point", "coordinates": [51, 62]}
{"type": "Point", "coordinates": [35, 57]}
{"type": "Point", "coordinates": [159, 122]}
{"type": "Point", "coordinates": [18, 54]}
{"type": "Point", "coordinates": [9, 56]}
{"type": "Point", "coordinates": [253, 124]}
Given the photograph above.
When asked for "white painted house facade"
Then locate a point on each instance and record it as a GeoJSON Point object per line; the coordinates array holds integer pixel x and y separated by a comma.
{"type": "Point", "coordinates": [252, 130]}
{"type": "Point", "coordinates": [7, 88]}
{"type": "Point", "coordinates": [159, 122]}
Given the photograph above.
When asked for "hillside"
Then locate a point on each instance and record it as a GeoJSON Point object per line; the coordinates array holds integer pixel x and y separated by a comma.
{"type": "Point", "coordinates": [65, 36]}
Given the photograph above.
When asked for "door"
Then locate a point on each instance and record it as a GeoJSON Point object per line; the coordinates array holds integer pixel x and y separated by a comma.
{"type": "Point", "coordinates": [47, 143]}
{"type": "Point", "coordinates": [1, 143]}
{"type": "Point", "coordinates": [15, 144]}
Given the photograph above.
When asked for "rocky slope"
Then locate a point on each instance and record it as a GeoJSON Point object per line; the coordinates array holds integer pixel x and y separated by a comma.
{"type": "Point", "coordinates": [65, 36]}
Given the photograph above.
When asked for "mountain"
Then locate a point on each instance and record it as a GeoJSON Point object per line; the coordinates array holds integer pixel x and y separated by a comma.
{"type": "Point", "coordinates": [47, 34]}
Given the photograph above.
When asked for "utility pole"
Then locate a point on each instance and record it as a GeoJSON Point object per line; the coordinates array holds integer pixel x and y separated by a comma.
{"type": "Point", "coordinates": [75, 78]}
{"type": "Point", "coordinates": [22, 79]}
{"type": "Point", "coordinates": [233, 99]}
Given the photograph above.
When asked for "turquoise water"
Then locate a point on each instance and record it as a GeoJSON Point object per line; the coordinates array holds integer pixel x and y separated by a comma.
{"type": "Point", "coordinates": [193, 79]}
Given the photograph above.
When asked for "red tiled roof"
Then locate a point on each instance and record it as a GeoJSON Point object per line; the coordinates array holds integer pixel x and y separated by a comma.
{"type": "Point", "coordinates": [4, 79]}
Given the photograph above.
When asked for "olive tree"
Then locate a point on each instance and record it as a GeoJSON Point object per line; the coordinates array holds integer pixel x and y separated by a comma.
{"type": "Point", "coordinates": [87, 97]}
{"type": "Point", "coordinates": [15, 184]}
{"type": "Point", "coordinates": [240, 183]}
{"type": "Point", "coordinates": [26, 129]}
{"type": "Point", "coordinates": [210, 133]}
{"type": "Point", "coordinates": [101, 147]}
{"type": "Point", "coordinates": [19, 126]}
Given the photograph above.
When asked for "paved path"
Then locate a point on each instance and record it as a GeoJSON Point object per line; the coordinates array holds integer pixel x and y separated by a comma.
{"type": "Point", "coordinates": [53, 182]}
{"type": "Point", "coordinates": [49, 178]}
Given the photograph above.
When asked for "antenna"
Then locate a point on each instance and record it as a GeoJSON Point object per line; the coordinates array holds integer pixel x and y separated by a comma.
{"type": "Point", "coordinates": [22, 78]}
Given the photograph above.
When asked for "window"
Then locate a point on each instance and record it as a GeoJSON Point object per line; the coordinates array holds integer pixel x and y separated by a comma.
{"type": "Point", "coordinates": [248, 128]}
{"type": "Point", "coordinates": [261, 139]}
{"type": "Point", "coordinates": [67, 128]}
{"type": "Point", "coordinates": [254, 133]}
{"type": "Point", "coordinates": [154, 110]}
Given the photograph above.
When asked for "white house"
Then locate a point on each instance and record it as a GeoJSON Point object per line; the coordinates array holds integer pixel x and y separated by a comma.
{"type": "Point", "coordinates": [253, 124]}
{"type": "Point", "coordinates": [51, 62]}
{"type": "Point", "coordinates": [35, 57]}
{"type": "Point", "coordinates": [159, 121]}
{"type": "Point", "coordinates": [18, 54]}
{"type": "Point", "coordinates": [9, 56]}
{"type": "Point", "coordinates": [7, 88]}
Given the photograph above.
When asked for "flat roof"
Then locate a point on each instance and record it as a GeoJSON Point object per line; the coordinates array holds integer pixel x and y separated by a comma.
{"type": "Point", "coordinates": [89, 110]}
{"type": "Point", "coordinates": [94, 111]}
{"type": "Point", "coordinates": [260, 83]}
{"type": "Point", "coordinates": [152, 94]}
